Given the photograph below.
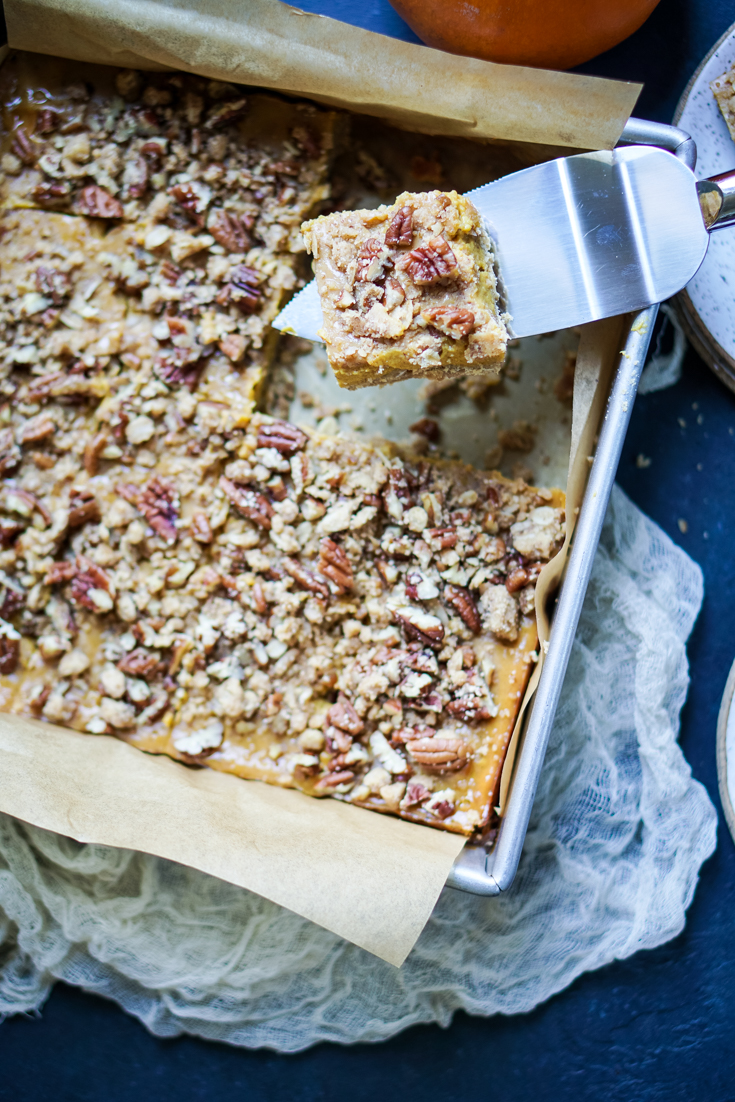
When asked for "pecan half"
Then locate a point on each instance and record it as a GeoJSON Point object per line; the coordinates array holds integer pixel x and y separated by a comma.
{"type": "Point", "coordinates": [139, 663]}
{"type": "Point", "coordinates": [430, 263]}
{"type": "Point", "coordinates": [95, 202]}
{"type": "Point", "coordinates": [231, 230]}
{"type": "Point", "coordinates": [305, 578]}
{"type": "Point", "coordinates": [253, 505]}
{"type": "Point", "coordinates": [371, 260]}
{"type": "Point", "coordinates": [53, 283]}
{"type": "Point", "coordinates": [440, 753]}
{"type": "Point", "coordinates": [200, 528]}
{"type": "Point", "coordinates": [334, 564]}
{"type": "Point", "coordinates": [343, 715]}
{"type": "Point", "coordinates": [159, 505]}
{"type": "Point", "coordinates": [244, 289]}
{"type": "Point", "coordinates": [470, 709]}
{"type": "Point", "coordinates": [463, 603]}
{"type": "Point", "coordinates": [400, 231]}
{"type": "Point", "coordinates": [281, 435]}
{"type": "Point", "coordinates": [9, 654]}
{"type": "Point", "coordinates": [420, 625]}
{"type": "Point", "coordinates": [453, 321]}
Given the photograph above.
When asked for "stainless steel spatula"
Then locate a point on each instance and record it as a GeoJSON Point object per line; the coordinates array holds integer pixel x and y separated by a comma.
{"type": "Point", "coordinates": [585, 237]}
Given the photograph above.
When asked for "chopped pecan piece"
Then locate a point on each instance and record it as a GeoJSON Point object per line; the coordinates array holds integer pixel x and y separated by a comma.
{"type": "Point", "coordinates": [158, 503]}
{"type": "Point", "coordinates": [53, 283]}
{"type": "Point", "coordinates": [516, 579]}
{"type": "Point", "coordinates": [253, 505]}
{"type": "Point", "coordinates": [10, 454]}
{"type": "Point", "coordinates": [180, 367]}
{"type": "Point", "coordinates": [416, 793]}
{"type": "Point", "coordinates": [259, 602]}
{"type": "Point", "coordinates": [93, 452]}
{"type": "Point", "coordinates": [440, 753]}
{"type": "Point", "coordinates": [453, 321]}
{"type": "Point", "coordinates": [9, 531]}
{"type": "Point", "coordinates": [244, 288]}
{"type": "Point", "coordinates": [281, 435]}
{"type": "Point", "coordinates": [394, 294]}
{"type": "Point", "coordinates": [200, 528]}
{"type": "Point", "coordinates": [135, 178]}
{"type": "Point", "coordinates": [37, 428]}
{"type": "Point", "coordinates": [343, 715]}
{"type": "Point", "coordinates": [430, 263]}
{"type": "Point", "coordinates": [12, 598]}
{"type": "Point", "coordinates": [84, 507]}
{"type": "Point", "coordinates": [470, 709]}
{"type": "Point", "coordinates": [309, 140]}
{"type": "Point", "coordinates": [400, 231]}
{"type": "Point", "coordinates": [52, 195]}
{"type": "Point", "coordinates": [331, 780]}
{"type": "Point", "coordinates": [396, 493]}
{"type": "Point", "coordinates": [60, 572]}
{"type": "Point", "coordinates": [9, 653]}
{"type": "Point", "coordinates": [427, 427]}
{"type": "Point", "coordinates": [420, 625]}
{"type": "Point", "coordinates": [444, 538]}
{"type": "Point", "coordinates": [193, 198]}
{"type": "Point", "coordinates": [30, 501]}
{"type": "Point", "coordinates": [231, 230]}
{"type": "Point", "coordinates": [334, 564]}
{"type": "Point", "coordinates": [305, 578]}
{"type": "Point", "coordinates": [371, 261]}
{"type": "Point", "coordinates": [139, 663]}
{"type": "Point", "coordinates": [463, 603]}
{"type": "Point", "coordinates": [88, 584]}
{"type": "Point", "coordinates": [47, 120]}
{"type": "Point", "coordinates": [22, 147]}
{"type": "Point", "coordinates": [226, 113]}
{"type": "Point", "coordinates": [95, 202]}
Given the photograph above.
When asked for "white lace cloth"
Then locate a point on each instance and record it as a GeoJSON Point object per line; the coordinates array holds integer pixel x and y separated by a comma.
{"type": "Point", "coordinates": [610, 865]}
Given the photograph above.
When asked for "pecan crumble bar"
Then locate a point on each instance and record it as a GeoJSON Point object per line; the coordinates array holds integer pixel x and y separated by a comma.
{"type": "Point", "coordinates": [723, 89]}
{"type": "Point", "coordinates": [196, 191]}
{"type": "Point", "coordinates": [310, 611]}
{"type": "Point", "coordinates": [407, 290]}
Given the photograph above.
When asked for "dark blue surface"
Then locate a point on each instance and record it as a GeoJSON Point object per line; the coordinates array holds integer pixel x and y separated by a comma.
{"type": "Point", "coordinates": [659, 1026]}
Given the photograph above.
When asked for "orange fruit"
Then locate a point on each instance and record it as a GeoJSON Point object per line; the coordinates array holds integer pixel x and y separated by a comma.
{"type": "Point", "coordinates": [548, 34]}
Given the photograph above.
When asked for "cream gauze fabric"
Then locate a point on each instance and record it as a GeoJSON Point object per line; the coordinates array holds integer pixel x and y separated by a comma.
{"type": "Point", "coordinates": [619, 832]}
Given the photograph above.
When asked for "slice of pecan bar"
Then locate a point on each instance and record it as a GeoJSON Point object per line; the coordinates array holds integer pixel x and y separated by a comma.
{"type": "Point", "coordinates": [408, 290]}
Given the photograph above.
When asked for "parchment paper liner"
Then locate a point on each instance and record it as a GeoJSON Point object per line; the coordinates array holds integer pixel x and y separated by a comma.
{"type": "Point", "coordinates": [370, 878]}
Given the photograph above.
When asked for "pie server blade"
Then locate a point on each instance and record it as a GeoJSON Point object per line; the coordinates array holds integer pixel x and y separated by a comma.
{"type": "Point", "coordinates": [580, 238]}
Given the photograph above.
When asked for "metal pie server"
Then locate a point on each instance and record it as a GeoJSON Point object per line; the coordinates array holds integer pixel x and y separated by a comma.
{"type": "Point", "coordinates": [585, 237]}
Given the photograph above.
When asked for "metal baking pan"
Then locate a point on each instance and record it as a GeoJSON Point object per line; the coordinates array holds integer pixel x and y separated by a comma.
{"type": "Point", "coordinates": [477, 870]}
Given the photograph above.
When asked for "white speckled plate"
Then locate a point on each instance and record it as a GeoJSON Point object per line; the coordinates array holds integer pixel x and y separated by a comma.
{"type": "Point", "coordinates": [726, 751]}
{"type": "Point", "coordinates": [707, 306]}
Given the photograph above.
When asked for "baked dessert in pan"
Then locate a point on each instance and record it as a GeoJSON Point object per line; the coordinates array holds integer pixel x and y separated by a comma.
{"type": "Point", "coordinates": [408, 290]}
{"type": "Point", "coordinates": [196, 577]}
